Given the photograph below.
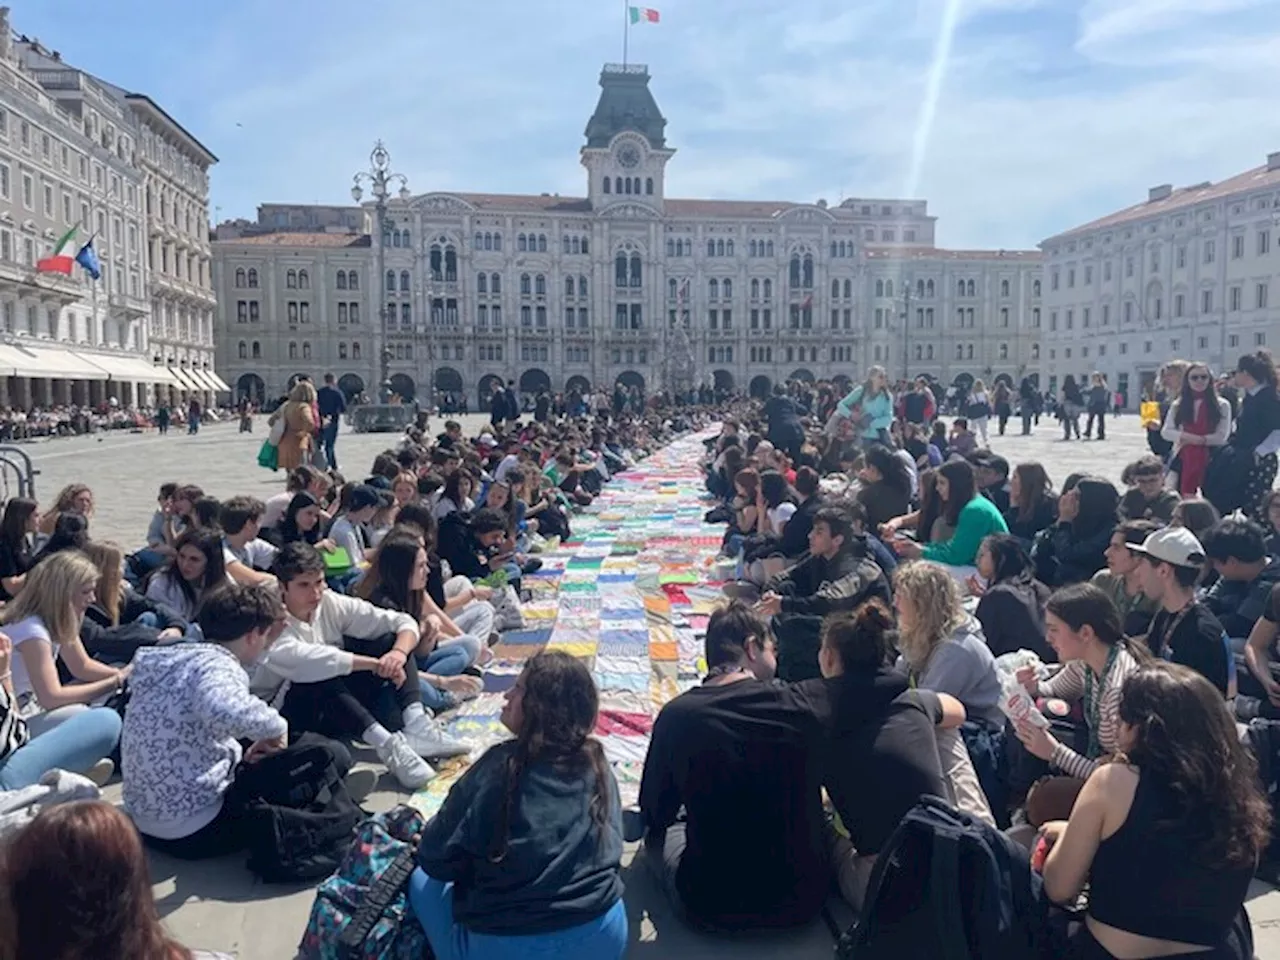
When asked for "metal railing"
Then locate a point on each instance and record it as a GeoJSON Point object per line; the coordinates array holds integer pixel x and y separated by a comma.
{"type": "Point", "coordinates": [17, 473]}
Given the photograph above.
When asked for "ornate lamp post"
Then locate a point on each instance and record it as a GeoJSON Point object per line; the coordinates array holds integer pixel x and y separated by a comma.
{"type": "Point", "coordinates": [380, 178]}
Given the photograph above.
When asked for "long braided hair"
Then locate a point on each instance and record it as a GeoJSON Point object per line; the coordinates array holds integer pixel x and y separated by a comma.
{"type": "Point", "coordinates": [559, 707]}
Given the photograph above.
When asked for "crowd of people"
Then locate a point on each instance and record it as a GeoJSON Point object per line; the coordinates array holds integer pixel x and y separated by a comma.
{"type": "Point", "coordinates": [892, 584]}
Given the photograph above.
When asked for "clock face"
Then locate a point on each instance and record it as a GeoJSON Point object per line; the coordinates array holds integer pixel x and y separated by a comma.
{"type": "Point", "coordinates": [629, 155]}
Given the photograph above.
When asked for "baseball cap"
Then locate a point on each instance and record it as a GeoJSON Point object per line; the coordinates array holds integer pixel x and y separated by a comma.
{"type": "Point", "coordinates": [362, 497]}
{"type": "Point", "coordinates": [1175, 545]}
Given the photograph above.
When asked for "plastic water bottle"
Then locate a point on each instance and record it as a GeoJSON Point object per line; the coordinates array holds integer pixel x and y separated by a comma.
{"type": "Point", "coordinates": [740, 569]}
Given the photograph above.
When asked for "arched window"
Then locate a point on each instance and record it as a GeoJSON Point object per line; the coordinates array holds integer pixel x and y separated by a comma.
{"type": "Point", "coordinates": [256, 350]}
{"type": "Point", "coordinates": [542, 243]}
{"type": "Point", "coordinates": [291, 279]}
{"type": "Point", "coordinates": [395, 238]}
{"type": "Point", "coordinates": [342, 351]}
{"type": "Point", "coordinates": [728, 289]}
{"type": "Point", "coordinates": [451, 264]}
{"type": "Point", "coordinates": [355, 351]}
{"type": "Point", "coordinates": [391, 281]}
{"type": "Point", "coordinates": [711, 248]}
{"type": "Point", "coordinates": [488, 241]}
{"type": "Point", "coordinates": [404, 281]}
{"type": "Point", "coordinates": [968, 352]}
{"type": "Point", "coordinates": [808, 272]}
{"type": "Point", "coordinates": [959, 288]}
{"type": "Point", "coordinates": [728, 247]}
{"type": "Point", "coordinates": [243, 350]}
{"type": "Point", "coordinates": [482, 283]}
{"type": "Point", "coordinates": [834, 250]}
{"type": "Point", "coordinates": [919, 288]}
{"type": "Point", "coordinates": [835, 288]}
{"type": "Point", "coordinates": [636, 271]}
{"type": "Point", "coordinates": [407, 241]}
{"type": "Point", "coordinates": [342, 279]}
{"type": "Point", "coordinates": [1035, 288]}
{"type": "Point", "coordinates": [540, 285]}
{"type": "Point", "coordinates": [929, 351]}
{"type": "Point", "coordinates": [240, 275]}
{"type": "Point", "coordinates": [526, 285]}
{"type": "Point", "coordinates": [582, 285]}
{"type": "Point", "coordinates": [751, 248]}
{"type": "Point", "coordinates": [353, 280]}
{"type": "Point", "coordinates": [607, 185]}
{"type": "Point", "coordinates": [755, 288]}
{"type": "Point", "coordinates": [768, 289]}
{"type": "Point", "coordinates": [522, 243]}
{"type": "Point", "coordinates": [253, 278]}
{"type": "Point", "coordinates": [568, 286]}
{"type": "Point", "coordinates": [1004, 288]}
{"type": "Point", "coordinates": [497, 242]}
{"type": "Point", "coordinates": [713, 288]}
{"type": "Point", "coordinates": [478, 242]}
{"type": "Point", "coordinates": [795, 270]}
{"type": "Point", "coordinates": [959, 351]}
{"type": "Point", "coordinates": [888, 287]}
{"type": "Point", "coordinates": [929, 289]}
{"type": "Point", "coordinates": [293, 351]}
{"type": "Point", "coordinates": [848, 289]}
{"type": "Point", "coordinates": [648, 186]}
{"type": "Point", "coordinates": [879, 288]}
{"type": "Point", "coordinates": [672, 288]}
{"type": "Point", "coordinates": [575, 245]}
{"type": "Point", "coordinates": [617, 185]}
{"type": "Point", "coordinates": [306, 350]}
{"type": "Point", "coordinates": [971, 288]}
{"type": "Point", "coordinates": [1004, 351]}
{"type": "Point", "coordinates": [671, 247]}
{"type": "Point", "coordinates": [495, 283]}
{"type": "Point", "coordinates": [719, 248]}
{"type": "Point", "coordinates": [620, 270]}
{"type": "Point", "coordinates": [626, 185]}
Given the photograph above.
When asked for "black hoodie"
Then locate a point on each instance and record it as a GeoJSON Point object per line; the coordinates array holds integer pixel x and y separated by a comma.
{"type": "Point", "coordinates": [879, 731]}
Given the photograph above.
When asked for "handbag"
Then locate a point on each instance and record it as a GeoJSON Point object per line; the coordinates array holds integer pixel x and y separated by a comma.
{"type": "Point", "coordinates": [506, 604]}
{"type": "Point", "coordinates": [269, 455]}
{"type": "Point", "coordinates": [276, 434]}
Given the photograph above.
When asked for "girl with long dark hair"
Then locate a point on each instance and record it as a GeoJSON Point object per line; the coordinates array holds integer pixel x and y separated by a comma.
{"type": "Point", "coordinates": [972, 516]}
{"type": "Point", "coordinates": [1032, 505]}
{"type": "Point", "coordinates": [1198, 421]}
{"type": "Point", "coordinates": [536, 820]}
{"type": "Point", "coordinates": [886, 484]}
{"type": "Point", "coordinates": [17, 530]}
{"type": "Point", "coordinates": [1074, 549]}
{"type": "Point", "coordinates": [70, 532]}
{"type": "Point", "coordinates": [1011, 610]}
{"type": "Point", "coordinates": [1169, 836]}
{"type": "Point", "coordinates": [1257, 426]}
{"type": "Point", "coordinates": [198, 565]}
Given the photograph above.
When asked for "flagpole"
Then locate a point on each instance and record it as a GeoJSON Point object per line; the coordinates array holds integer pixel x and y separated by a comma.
{"type": "Point", "coordinates": [626, 29]}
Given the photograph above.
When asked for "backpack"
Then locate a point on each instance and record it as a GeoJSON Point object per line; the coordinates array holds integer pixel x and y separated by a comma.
{"type": "Point", "coordinates": [362, 911]}
{"type": "Point", "coordinates": [301, 818]}
{"type": "Point", "coordinates": [949, 886]}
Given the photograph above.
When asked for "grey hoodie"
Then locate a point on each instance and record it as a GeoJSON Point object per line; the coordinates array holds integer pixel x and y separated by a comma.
{"type": "Point", "coordinates": [189, 705]}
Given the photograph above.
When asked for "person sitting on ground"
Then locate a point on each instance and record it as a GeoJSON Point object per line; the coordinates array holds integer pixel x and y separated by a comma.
{"type": "Point", "coordinates": [456, 495]}
{"type": "Point", "coordinates": [1148, 498]}
{"type": "Point", "coordinates": [879, 731]}
{"type": "Point", "coordinates": [1032, 505]}
{"type": "Point", "coordinates": [467, 542]}
{"type": "Point", "coordinates": [1074, 548]}
{"type": "Point", "coordinates": [525, 854]}
{"type": "Point", "coordinates": [1168, 839]}
{"type": "Point", "coordinates": [886, 485]}
{"type": "Point", "coordinates": [1237, 551]}
{"type": "Point", "coordinates": [1259, 686]}
{"type": "Point", "coordinates": [1011, 608]}
{"type": "Point", "coordinates": [1083, 627]}
{"type": "Point", "coordinates": [962, 441]}
{"type": "Point", "coordinates": [303, 520]}
{"type": "Point", "coordinates": [70, 532]}
{"type": "Point", "coordinates": [465, 604]}
{"type": "Point", "coordinates": [740, 755]}
{"type": "Point", "coordinates": [836, 574]}
{"type": "Point", "coordinates": [1184, 629]}
{"type": "Point", "coordinates": [1120, 581]}
{"type": "Point", "coordinates": [973, 516]}
{"type": "Point", "coordinates": [74, 498]}
{"type": "Point", "coordinates": [360, 503]}
{"type": "Point", "coordinates": [39, 628]}
{"type": "Point", "coordinates": [198, 564]}
{"type": "Point", "coordinates": [397, 580]}
{"type": "Point", "coordinates": [241, 522]}
{"type": "Point", "coordinates": [189, 709]}
{"type": "Point", "coordinates": [336, 662]}
{"type": "Point", "coordinates": [305, 479]}
{"type": "Point", "coordinates": [74, 884]}
{"type": "Point", "coordinates": [17, 533]}
{"type": "Point", "coordinates": [991, 473]}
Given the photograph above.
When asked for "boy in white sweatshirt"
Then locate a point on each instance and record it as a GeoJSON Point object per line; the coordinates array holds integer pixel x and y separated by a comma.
{"type": "Point", "coordinates": [189, 709]}
{"type": "Point", "coordinates": [336, 658]}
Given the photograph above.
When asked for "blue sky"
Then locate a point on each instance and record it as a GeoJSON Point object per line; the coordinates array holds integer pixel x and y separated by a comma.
{"type": "Point", "coordinates": [1047, 113]}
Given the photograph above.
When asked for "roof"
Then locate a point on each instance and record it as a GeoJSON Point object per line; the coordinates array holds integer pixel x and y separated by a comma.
{"type": "Point", "coordinates": [625, 104]}
{"type": "Point", "coordinates": [1258, 178]}
{"type": "Point", "coordinates": [934, 253]}
{"type": "Point", "coordinates": [547, 203]}
{"type": "Point", "coordinates": [141, 100]}
{"type": "Point", "coordinates": [301, 240]}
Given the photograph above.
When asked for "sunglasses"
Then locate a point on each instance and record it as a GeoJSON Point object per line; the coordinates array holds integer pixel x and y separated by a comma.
{"type": "Point", "coordinates": [1198, 377]}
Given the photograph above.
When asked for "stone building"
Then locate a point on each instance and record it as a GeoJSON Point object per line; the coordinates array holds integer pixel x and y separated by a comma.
{"type": "Point", "coordinates": [556, 292]}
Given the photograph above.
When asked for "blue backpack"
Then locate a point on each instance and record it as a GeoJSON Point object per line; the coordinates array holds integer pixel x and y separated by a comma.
{"type": "Point", "coordinates": [362, 911]}
{"type": "Point", "coordinates": [949, 886]}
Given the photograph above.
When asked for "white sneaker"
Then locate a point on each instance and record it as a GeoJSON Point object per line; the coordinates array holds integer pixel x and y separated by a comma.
{"type": "Point", "coordinates": [405, 765]}
{"type": "Point", "coordinates": [100, 773]}
{"type": "Point", "coordinates": [427, 739]}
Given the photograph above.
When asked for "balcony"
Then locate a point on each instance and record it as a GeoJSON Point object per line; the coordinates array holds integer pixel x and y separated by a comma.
{"type": "Point", "coordinates": [127, 307]}
{"type": "Point", "coordinates": [47, 287]}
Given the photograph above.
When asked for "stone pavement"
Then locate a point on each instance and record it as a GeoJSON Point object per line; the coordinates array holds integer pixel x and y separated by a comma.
{"type": "Point", "coordinates": [217, 905]}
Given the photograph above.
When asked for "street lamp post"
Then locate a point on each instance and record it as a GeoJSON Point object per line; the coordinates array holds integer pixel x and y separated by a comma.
{"type": "Point", "coordinates": [906, 327]}
{"type": "Point", "coordinates": [380, 178]}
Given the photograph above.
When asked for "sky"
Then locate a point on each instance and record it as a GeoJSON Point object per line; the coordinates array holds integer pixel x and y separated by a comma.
{"type": "Point", "coordinates": [1015, 119]}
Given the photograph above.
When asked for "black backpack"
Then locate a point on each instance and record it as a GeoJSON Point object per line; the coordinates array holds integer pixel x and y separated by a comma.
{"type": "Point", "coordinates": [949, 886]}
{"type": "Point", "coordinates": [301, 818]}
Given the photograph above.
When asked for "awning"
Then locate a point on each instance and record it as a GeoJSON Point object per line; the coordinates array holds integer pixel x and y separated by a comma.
{"type": "Point", "coordinates": [218, 382]}
{"type": "Point", "coordinates": [184, 379]}
{"type": "Point", "coordinates": [51, 363]}
{"type": "Point", "coordinates": [206, 382]}
{"type": "Point", "coordinates": [128, 369]}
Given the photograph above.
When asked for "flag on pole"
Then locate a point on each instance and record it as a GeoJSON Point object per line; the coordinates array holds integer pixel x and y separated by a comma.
{"type": "Point", "coordinates": [88, 258]}
{"type": "Point", "coordinates": [58, 262]}
{"type": "Point", "coordinates": [807, 302]}
{"type": "Point", "coordinates": [643, 15]}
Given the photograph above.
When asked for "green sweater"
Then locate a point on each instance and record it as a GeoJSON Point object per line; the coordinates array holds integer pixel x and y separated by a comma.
{"type": "Point", "coordinates": [978, 519]}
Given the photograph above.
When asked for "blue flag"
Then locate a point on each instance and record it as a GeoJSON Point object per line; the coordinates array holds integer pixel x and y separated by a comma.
{"type": "Point", "coordinates": [88, 258]}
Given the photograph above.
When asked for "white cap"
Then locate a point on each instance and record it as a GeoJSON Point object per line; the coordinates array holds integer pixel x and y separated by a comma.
{"type": "Point", "coordinates": [1175, 545]}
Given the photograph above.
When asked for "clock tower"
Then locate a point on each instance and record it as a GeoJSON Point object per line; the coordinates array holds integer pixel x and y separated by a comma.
{"type": "Point", "coordinates": [626, 152]}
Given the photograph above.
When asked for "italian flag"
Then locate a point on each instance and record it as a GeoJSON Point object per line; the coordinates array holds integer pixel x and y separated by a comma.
{"type": "Point", "coordinates": [645, 14]}
{"type": "Point", "coordinates": [59, 262]}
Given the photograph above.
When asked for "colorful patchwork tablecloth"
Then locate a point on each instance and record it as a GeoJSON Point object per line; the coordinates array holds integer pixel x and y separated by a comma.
{"type": "Point", "coordinates": [630, 595]}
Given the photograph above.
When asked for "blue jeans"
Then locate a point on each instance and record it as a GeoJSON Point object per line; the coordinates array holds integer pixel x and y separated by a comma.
{"type": "Point", "coordinates": [604, 938]}
{"type": "Point", "coordinates": [447, 661]}
{"type": "Point", "coordinates": [328, 437]}
{"type": "Point", "coordinates": [75, 745]}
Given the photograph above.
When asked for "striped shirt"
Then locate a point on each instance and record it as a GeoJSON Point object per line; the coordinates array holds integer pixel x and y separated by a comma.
{"type": "Point", "coordinates": [1068, 684]}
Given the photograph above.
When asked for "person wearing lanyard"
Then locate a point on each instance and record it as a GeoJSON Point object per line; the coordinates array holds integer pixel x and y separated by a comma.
{"type": "Point", "coordinates": [1184, 630]}
{"type": "Point", "coordinates": [1083, 626]}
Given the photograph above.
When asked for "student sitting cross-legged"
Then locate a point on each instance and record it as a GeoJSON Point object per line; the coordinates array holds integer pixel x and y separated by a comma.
{"type": "Point", "coordinates": [523, 858]}
{"type": "Point", "coordinates": [334, 662]}
{"type": "Point", "coordinates": [189, 710]}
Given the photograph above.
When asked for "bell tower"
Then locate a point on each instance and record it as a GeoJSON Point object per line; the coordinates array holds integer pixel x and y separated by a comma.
{"type": "Point", "coordinates": [626, 151]}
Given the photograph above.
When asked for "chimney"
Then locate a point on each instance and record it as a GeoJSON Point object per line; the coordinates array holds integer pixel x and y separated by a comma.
{"type": "Point", "coordinates": [6, 35]}
{"type": "Point", "coordinates": [1273, 161]}
{"type": "Point", "coordinates": [1162, 192]}
{"type": "Point", "coordinates": [822, 204]}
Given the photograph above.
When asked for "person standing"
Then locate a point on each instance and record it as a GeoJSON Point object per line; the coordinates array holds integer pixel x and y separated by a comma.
{"type": "Point", "coordinates": [299, 426]}
{"type": "Point", "coordinates": [246, 414]}
{"type": "Point", "coordinates": [1003, 404]}
{"type": "Point", "coordinates": [1099, 399]}
{"type": "Point", "coordinates": [1027, 401]}
{"type": "Point", "coordinates": [194, 411]}
{"type": "Point", "coordinates": [332, 405]}
{"type": "Point", "coordinates": [163, 417]}
{"type": "Point", "coordinates": [1072, 404]}
{"type": "Point", "coordinates": [978, 409]}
